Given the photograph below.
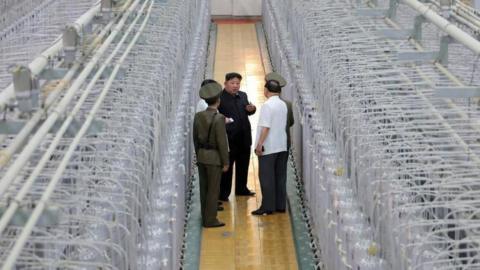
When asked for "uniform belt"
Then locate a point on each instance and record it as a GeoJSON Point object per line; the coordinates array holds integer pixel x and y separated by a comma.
{"type": "Point", "coordinates": [206, 146]}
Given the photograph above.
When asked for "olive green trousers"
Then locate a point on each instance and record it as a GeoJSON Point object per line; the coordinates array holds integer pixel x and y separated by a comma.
{"type": "Point", "coordinates": [210, 176]}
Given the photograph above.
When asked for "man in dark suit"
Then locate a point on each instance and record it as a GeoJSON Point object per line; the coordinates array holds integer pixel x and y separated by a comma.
{"type": "Point", "coordinates": [235, 106]}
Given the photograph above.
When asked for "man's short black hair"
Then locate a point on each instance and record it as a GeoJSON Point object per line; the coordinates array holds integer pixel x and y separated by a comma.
{"type": "Point", "coordinates": [232, 75]}
{"type": "Point", "coordinates": [273, 86]}
{"type": "Point", "coordinates": [207, 81]}
{"type": "Point", "coordinates": [211, 101]}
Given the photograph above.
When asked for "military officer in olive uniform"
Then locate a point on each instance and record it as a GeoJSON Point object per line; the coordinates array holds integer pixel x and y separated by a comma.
{"type": "Point", "coordinates": [211, 148]}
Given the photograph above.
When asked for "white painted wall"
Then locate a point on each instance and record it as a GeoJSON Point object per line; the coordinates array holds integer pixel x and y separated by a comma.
{"type": "Point", "coordinates": [222, 7]}
{"type": "Point", "coordinates": [247, 7]}
{"type": "Point", "coordinates": [237, 7]}
{"type": "Point", "coordinates": [476, 4]}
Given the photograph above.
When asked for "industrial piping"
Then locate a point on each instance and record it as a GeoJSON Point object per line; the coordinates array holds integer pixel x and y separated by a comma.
{"type": "Point", "coordinates": [58, 174]}
{"type": "Point", "coordinates": [62, 106]}
{"type": "Point", "coordinates": [5, 219]}
{"type": "Point", "coordinates": [445, 25]}
{"type": "Point", "coordinates": [37, 65]}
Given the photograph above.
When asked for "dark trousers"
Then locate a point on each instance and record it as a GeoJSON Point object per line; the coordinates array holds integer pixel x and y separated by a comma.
{"type": "Point", "coordinates": [209, 187]}
{"type": "Point", "coordinates": [272, 170]}
{"type": "Point", "coordinates": [240, 156]}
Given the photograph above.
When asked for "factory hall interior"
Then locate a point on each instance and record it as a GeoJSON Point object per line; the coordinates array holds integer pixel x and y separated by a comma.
{"type": "Point", "coordinates": [240, 134]}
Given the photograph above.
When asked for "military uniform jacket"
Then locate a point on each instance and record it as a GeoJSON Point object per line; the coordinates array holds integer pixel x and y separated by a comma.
{"type": "Point", "coordinates": [212, 150]}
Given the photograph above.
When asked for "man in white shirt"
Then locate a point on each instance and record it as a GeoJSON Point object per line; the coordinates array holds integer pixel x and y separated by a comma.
{"type": "Point", "coordinates": [271, 149]}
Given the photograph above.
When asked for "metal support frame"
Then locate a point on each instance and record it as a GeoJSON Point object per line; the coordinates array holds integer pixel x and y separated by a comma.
{"type": "Point", "coordinates": [446, 8]}
{"type": "Point", "coordinates": [49, 74]}
{"type": "Point", "coordinates": [457, 92]}
{"type": "Point", "coordinates": [106, 7]}
{"type": "Point", "coordinates": [26, 89]}
{"type": "Point", "coordinates": [37, 65]}
{"type": "Point", "coordinates": [212, 43]}
{"type": "Point", "coordinates": [395, 34]}
{"type": "Point", "coordinates": [14, 127]}
{"type": "Point", "coordinates": [417, 56]}
{"type": "Point", "coordinates": [443, 53]}
{"type": "Point", "coordinates": [70, 40]}
{"type": "Point", "coordinates": [446, 26]}
{"type": "Point", "coordinates": [392, 9]}
{"type": "Point", "coordinates": [417, 28]}
{"type": "Point", "coordinates": [369, 12]}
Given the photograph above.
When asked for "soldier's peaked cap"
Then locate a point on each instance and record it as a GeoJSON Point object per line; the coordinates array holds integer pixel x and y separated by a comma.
{"type": "Point", "coordinates": [276, 77]}
{"type": "Point", "coordinates": [210, 90]}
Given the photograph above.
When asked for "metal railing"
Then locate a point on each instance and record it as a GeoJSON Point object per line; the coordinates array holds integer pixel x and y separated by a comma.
{"type": "Point", "coordinates": [95, 176]}
{"type": "Point", "coordinates": [388, 135]}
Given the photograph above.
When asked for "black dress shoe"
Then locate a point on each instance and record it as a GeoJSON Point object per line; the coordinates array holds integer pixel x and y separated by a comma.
{"type": "Point", "coordinates": [260, 212]}
{"type": "Point", "coordinates": [281, 210]}
{"type": "Point", "coordinates": [245, 193]}
{"type": "Point", "coordinates": [214, 225]}
{"type": "Point", "coordinates": [223, 199]}
{"type": "Point", "coordinates": [219, 208]}
{"type": "Point", "coordinates": [219, 203]}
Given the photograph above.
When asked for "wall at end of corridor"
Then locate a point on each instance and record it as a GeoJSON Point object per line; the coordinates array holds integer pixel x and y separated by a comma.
{"type": "Point", "coordinates": [236, 7]}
